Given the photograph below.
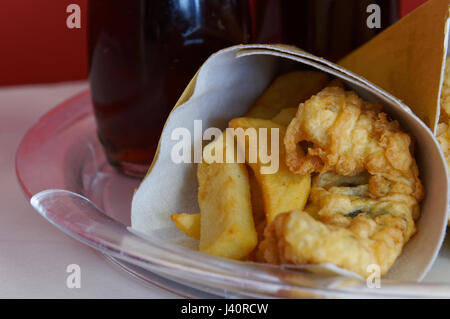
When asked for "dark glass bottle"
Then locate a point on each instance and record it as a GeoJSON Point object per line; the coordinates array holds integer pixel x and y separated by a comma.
{"type": "Point", "coordinates": [142, 54]}
{"type": "Point", "coordinates": [327, 28]}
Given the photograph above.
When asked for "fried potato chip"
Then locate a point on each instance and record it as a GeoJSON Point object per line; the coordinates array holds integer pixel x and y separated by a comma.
{"type": "Point", "coordinates": [188, 224]}
{"type": "Point", "coordinates": [282, 191]}
{"type": "Point", "coordinates": [226, 221]}
{"type": "Point", "coordinates": [287, 90]}
{"type": "Point", "coordinates": [285, 116]}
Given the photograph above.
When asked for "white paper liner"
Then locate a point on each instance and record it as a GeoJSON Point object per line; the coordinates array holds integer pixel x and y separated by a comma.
{"type": "Point", "coordinates": [226, 87]}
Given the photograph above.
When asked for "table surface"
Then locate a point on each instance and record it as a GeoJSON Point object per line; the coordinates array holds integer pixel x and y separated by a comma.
{"type": "Point", "coordinates": [34, 255]}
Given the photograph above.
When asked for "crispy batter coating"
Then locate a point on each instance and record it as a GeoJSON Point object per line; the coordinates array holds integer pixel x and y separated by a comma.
{"type": "Point", "coordinates": [365, 198]}
{"type": "Point", "coordinates": [342, 133]}
{"type": "Point", "coordinates": [445, 93]}
{"type": "Point", "coordinates": [343, 226]}
{"type": "Point", "coordinates": [443, 129]}
{"type": "Point", "coordinates": [336, 199]}
{"type": "Point", "coordinates": [443, 137]}
{"type": "Point", "coordinates": [296, 237]}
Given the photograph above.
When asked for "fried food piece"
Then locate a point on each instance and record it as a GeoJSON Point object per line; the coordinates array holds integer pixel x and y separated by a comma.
{"type": "Point", "coordinates": [282, 191]}
{"type": "Point", "coordinates": [226, 220]}
{"type": "Point", "coordinates": [257, 199]}
{"type": "Point", "coordinates": [337, 199]}
{"type": "Point", "coordinates": [298, 238]}
{"type": "Point", "coordinates": [365, 199]}
{"type": "Point", "coordinates": [443, 137]}
{"type": "Point", "coordinates": [259, 216]}
{"type": "Point", "coordinates": [445, 93]}
{"type": "Point", "coordinates": [342, 133]}
{"type": "Point", "coordinates": [443, 129]}
{"type": "Point", "coordinates": [189, 224]}
{"type": "Point", "coordinates": [287, 90]}
{"type": "Point", "coordinates": [285, 116]}
{"type": "Point", "coordinates": [340, 202]}
{"type": "Point", "coordinates": [343, 226]}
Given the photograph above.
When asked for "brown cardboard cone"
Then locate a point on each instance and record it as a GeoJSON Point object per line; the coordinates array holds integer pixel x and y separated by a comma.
{"type": "Point", "coordinates": [407, 59]}
{"type": "Point", "coordinates": [225, 87]}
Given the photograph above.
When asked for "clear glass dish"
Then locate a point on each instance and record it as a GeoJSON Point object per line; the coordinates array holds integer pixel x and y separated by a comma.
{"type": "Point", "coordinates": [62, 152]}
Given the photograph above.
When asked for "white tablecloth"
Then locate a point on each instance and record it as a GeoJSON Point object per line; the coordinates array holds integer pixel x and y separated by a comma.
{"type": "Point", "coordinates": [34, 255]}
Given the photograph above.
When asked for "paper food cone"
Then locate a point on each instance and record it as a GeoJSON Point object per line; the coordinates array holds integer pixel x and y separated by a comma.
{"type": "Point", "coordinates": [224, 88]}
{"type": "Point", "coordinates": [408, 59]}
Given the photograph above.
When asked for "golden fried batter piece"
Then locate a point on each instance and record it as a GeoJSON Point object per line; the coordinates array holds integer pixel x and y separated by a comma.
{"type": "Point", "coordinates": [342, 133]}
{"type": "Point", "coordinates": [298, 238]}
{"type": "Point", "coordinates": [341, 225]}
{"type": "Point", "coordinates": [445, 93]}
{"type": "Point", "coordinates": [443, 137]}
{"type": "Point", "coordinates": [443, 129]}
{"type": "Point", "coordinates": [365, 198]}
{"type": "Point", "coordinates": [337, 199]}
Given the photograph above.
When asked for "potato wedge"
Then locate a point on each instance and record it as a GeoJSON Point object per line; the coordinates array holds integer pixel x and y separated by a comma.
{"type": "Point", "coordinates": [227, 228]}
{"type": "Point", "coordinates": [256, 198]}
{"type": "Point", "coordinates": [285, 116]}
{"type": "Point", "coordinates": [188, 224]}
{"type": "Point", "coordinates": [282, 191]}
{"type": "Point", "coordinates": [287, 90]}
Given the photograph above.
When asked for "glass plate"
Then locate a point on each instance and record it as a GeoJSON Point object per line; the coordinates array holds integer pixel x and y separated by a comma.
{"type": "Point", "coordinates": [62, 152]}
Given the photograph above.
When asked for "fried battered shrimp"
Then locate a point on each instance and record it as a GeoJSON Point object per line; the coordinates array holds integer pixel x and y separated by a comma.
{"type": "Point", "coordinates": [365, 198]}
{"type": "Point", "coordinates": [342, 133]}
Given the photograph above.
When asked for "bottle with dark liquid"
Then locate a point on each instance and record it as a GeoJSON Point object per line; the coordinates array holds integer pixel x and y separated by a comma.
{"type": "Point", "coordinates": [326, 28]}
{"type": "Point", "coordinates": [142, 54]}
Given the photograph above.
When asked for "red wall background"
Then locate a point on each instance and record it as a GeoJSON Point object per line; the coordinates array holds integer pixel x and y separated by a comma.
{"type": "Point", "coordinates": [36, 46]}
{"type": "Point", "coordinates": [405, 6]}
